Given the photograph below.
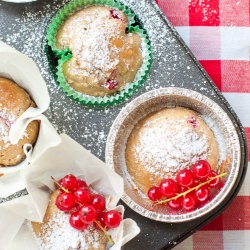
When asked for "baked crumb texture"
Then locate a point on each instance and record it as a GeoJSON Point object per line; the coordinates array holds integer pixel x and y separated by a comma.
{"type": "Point", "coordinates": [104, 56]}
{"type": "Point", "coordinates": [14, 101]}
{"type": "Point", "coordinates": [167, 141]}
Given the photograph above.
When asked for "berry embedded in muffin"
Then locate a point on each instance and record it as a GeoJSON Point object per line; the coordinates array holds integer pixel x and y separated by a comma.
{"type": "Point", "coordinates": [104, 56]}
{"type": "Point", "coordinates": [166, 142]}
{"type": "Point", "coordinates": [14, 101]}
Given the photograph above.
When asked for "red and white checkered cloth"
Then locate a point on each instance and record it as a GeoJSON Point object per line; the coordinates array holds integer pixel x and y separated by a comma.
{"type": "Point", "coordinates": [218, 33]}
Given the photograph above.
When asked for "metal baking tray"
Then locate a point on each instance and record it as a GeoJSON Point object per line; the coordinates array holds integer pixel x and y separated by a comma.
{"type": "Point", "coordinates": [23, 26]}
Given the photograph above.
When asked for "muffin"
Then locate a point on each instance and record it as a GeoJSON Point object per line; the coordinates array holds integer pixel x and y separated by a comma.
{"type": "Point", "coordinates": [167, 141]}
{"type": "Point", "coordinates": [103, 53]}
{"type": "Point", "coordinates": [104, 57]}
{"type": "Point", "coordinates": [56, 233]}
{"type": "Point", "coordinates": [14, 101]}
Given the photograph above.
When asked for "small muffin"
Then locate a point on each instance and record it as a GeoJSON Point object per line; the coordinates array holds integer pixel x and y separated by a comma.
{"type": "Point", "coordinates": [104, 57]}
{"type": "Point", "coordinates": [14, 101]}
{"type": "Point", "coordinates": [55, 232]}
{"type": "Point", "coordinates": [167, 141]}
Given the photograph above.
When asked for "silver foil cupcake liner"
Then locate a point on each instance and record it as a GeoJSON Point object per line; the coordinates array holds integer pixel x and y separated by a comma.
{"type": "Point", "coordinates": [215, 117]}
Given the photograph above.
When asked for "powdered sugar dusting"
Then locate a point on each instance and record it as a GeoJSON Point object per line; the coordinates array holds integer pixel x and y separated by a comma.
{"type": "Point", "coordinates": [171, 67]}
{"type": "Point", "coordinates": [6, 119]}
{"type": "Point", "coordinates": [167, 146]}
{"type": "Point", "coordinates": [24, 28]}
{"type": "Point", "coordinates": [58, 234]}
{"type": "Point", "coordinates": [209, 12]}
{"type": "Point", "coordinates": [90, 42]}
{"type": "Point", "coordinates": [219, 137]}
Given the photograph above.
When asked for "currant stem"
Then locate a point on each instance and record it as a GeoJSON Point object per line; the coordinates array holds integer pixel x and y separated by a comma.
{"type": "Point", "coordinates": [79, 203]}
{"type": "Point", "coordinates": [60, 186]}
{"type": "Point", "coordinates": [191, 189]}
{"type": "Point", "coordinates": [105, 232]}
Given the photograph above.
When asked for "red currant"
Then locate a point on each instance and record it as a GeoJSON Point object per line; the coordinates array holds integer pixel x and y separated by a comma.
{"type": "Point", "coordinates": [221, 185]}
{"type": "Point", "coordinates": [193, 122]}
{"type": "Point", "coordinates": [215, 182]}
{"type": "Point", "coordinates": [185, 178]}
{"type": "Point", "coordinates": [188, 202]}
{"type": "Point", "coordinates": [101, 219]}
{"type": "Point", "coordinates": [175, 204]}
{"type": "Point", "coordinates": [154, 194]}
{"type": "Point", "coordinates": [168, 188]}
{"type": "Point", "coordinates": [81, 184]}
{"type": "Point", "coordinates": [115, 14]}
{"type": "Point", "coordinates": [87, 214]}
{"type": "Point", "coordinates": [202, 194]}
{"type": "Point", "coordinates": [69, 182]}
{"type": "Point", "coordinates": [65, 201]}
{"type": "Point", "coordinates": [60, 182]}
{"type": "Point", "coordinates": [74, 209]}
{"type": "Point", "coordinates": [196, 182]}
{"type": "Point", "coordinates": [182, 189]}
{"type": "Point", "coordinates": [110, 84]}
{"type": "Point", "coordinates": [201, 169]}
{"type": "Point", "coordinates": [112, 219]}
{"type": "Point", "coordinates": [76, 223]}
{"type": "Point", "coordinates": [82, 195]}
{"type": "Point", "coordinates": [98, 202]}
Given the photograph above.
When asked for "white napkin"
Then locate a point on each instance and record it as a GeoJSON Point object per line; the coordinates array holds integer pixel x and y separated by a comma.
{"type": "Point", "coordinates": [66, 157]}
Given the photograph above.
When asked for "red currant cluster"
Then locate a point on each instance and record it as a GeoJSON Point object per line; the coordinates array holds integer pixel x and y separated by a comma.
{"type": "Point", "coordinates": [190, 189]}
{"type": "Point", "coordinates": [85, 207]}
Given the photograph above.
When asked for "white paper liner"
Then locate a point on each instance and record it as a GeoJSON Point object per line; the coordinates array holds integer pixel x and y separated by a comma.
{"type": "Point", "coordinates": [66, 157]}
{"type": "Point", "coordinates": [9, 227]}
{"type": "Point", "coordinates": [11, 181]}
{"type": "Point", "coordinates": [24, 71]}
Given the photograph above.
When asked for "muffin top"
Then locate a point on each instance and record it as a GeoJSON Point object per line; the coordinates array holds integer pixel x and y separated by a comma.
{"type": "Point", "coordinates": [104, 56]}
{"type": "Point", "coordinates": [55, 232]}
{"type": "Point", "coordinates": [165, 142]}
{"type": "Point", "coordinates": [14, 101]}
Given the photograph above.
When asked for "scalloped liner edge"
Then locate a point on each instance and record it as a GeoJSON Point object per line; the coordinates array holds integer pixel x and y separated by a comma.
{"type": "Point", "coordinates": [65, 55]}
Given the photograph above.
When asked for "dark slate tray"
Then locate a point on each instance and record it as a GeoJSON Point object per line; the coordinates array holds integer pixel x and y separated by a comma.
{"type": "Point", "coordinates": [23, 26]}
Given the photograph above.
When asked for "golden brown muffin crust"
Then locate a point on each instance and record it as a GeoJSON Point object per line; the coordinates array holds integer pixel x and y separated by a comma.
{"type": "Point", "coordinates": [101, 49]}
{"type": "Point", "coordinates": [14, 101]}
{"type": "Point", "coordinates": [13, 98]}
{"type": "Point", "coordinates": [166, 141]}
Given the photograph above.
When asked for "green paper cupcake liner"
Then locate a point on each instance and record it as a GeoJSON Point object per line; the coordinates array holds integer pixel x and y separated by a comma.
{"type": "Point", "coordinates": [65, 55]}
